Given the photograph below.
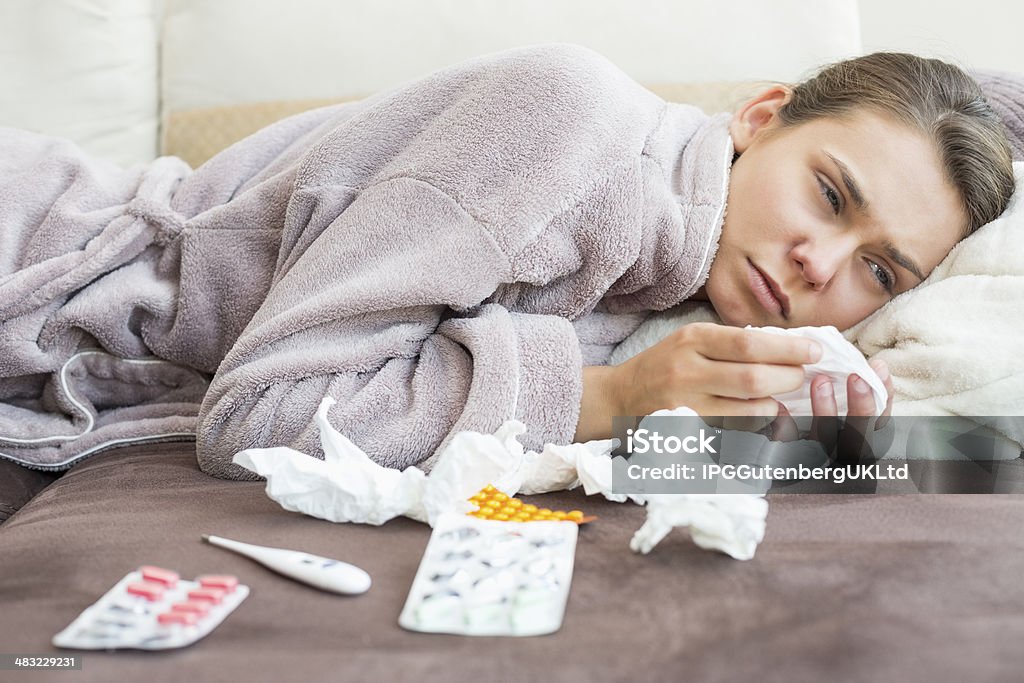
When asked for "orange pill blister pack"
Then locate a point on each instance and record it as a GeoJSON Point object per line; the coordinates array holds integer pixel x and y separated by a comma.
{"type": "Point", "coordinates": [494, 505]}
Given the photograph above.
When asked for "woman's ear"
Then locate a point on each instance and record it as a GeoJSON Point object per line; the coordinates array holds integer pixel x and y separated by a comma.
{"type": "Point", "coordinates": [757, 114]}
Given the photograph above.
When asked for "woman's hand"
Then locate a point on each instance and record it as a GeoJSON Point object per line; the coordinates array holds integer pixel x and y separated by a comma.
{"type": "Point", "coordinates": [826, 425]}
{"type": "Point", "coordinates": [716, 370]}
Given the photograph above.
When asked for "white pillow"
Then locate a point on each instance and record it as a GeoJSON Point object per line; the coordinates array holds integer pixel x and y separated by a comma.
{"type": "Point", "coordinates": [84, 70]}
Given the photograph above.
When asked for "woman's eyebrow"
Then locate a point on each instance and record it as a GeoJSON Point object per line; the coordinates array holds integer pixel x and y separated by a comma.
{"type": "Point", "coordinates": [901, 258]}
{"type": "Point", "coordinates": [862, 206]}
{"type": "Point", "coordinates": [851, 186]}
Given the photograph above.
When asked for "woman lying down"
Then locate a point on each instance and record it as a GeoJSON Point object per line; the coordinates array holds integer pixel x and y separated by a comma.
{"type": "Point", "coordinates": [469, 248]}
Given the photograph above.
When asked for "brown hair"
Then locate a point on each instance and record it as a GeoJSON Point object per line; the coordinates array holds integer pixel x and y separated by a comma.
{"type": "Point", "coordinates": [932, 96]}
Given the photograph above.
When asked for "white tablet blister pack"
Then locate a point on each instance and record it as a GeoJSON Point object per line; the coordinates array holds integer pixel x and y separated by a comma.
{"type": "Point", "coordinates": [154, 609]}
{"type": "Point", "coordinates": [481, 577]}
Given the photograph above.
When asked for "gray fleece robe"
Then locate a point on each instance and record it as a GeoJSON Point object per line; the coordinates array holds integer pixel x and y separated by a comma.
{"type": "Point", "coordinates": [443, 256]}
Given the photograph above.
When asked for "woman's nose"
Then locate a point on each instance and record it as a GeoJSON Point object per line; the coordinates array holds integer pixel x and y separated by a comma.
{"type": "Point", "coordinates": [820, 260]}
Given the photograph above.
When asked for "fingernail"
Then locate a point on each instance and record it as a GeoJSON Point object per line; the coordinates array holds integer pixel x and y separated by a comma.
{"type": "Point", "coordinates": [824, 389]}
{"type": "Point", "coordinates": [813, 352]}
{"type": "Point", "coordinates": [860, 386]}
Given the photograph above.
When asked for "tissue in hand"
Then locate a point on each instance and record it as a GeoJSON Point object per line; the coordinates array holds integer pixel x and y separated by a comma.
{"type": "Point", "coordinates": [839, 359]}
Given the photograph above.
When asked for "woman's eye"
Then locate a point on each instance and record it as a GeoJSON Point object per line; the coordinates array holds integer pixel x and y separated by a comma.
{"type": "Point", "coordinates": [885, 280]}
{"type": "Point", "coordinates": [831, 196]}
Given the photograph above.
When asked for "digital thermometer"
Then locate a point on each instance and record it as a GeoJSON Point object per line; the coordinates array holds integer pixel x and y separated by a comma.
{"type": "Point", "coordinates": [320, 572]}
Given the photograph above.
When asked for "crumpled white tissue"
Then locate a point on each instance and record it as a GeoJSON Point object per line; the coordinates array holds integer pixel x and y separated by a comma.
{"type": "Point", "coordinates": [733, 523]}
{"type": "Point", "coordinates": [839, 359]}
{"type": "Point", "coordinates": [347, 486]}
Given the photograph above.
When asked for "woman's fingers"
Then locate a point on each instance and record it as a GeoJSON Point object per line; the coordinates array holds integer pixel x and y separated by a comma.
{"type": "Point", "coordinates": [740, 345]}
{"type": "Point", "coordinates": [744, 415]}
{"type": "Point", "coordinates": [699, 364]}
{"type": "Point", "coordinates": [860, 400]}
{"type": "Point", "coordinates": [753, 380]}
{"type": "Point", "coordinates": [784, 427]}
{"type": "Point", "coordinates": [825, 425]}
{"type": "Point", "coordinates": [849, 436]}
{"type": "Point", "coordinates": [823, 397]}
{"type": "Point", "coordinates": [860, 414]}
{"type": "Point", "coordinates": [882, 370]}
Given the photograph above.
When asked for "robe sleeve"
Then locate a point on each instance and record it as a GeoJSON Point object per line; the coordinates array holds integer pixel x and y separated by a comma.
{"type": "Point", "coordinates": [386, 312]}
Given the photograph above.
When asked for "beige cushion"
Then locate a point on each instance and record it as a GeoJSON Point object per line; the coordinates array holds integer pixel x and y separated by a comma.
{"type": "Point", "coordinates": [198, 134]}
{"type": "Point", "coordinates": [195, 135]}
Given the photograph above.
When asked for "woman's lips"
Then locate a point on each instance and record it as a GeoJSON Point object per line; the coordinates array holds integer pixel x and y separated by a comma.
{"type": "Point", "coordinates": [767, 292]}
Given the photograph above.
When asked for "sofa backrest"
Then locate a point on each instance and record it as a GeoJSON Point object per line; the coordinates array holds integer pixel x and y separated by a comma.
{"type": "Point", "coordinates": [107, 73]}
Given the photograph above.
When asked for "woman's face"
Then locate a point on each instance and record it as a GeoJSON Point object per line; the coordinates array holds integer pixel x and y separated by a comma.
{"type": "Point", "coordinates": [828, 220]}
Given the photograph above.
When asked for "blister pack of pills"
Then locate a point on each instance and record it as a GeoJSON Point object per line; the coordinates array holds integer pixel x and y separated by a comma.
{"type": "Point", "coordinates": [154, 609]}
{"type": "Point", "coordinates": [482, 577]}
{"type": "Point", "coordinates": [493, 504]}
